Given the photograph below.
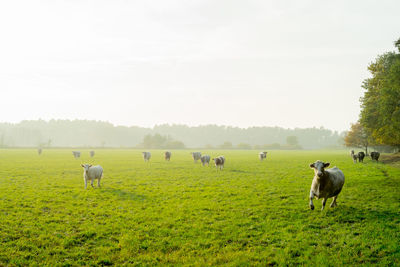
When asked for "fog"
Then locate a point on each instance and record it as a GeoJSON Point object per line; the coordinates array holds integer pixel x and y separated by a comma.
{"type": "Point", "coordinates": [145, 63]}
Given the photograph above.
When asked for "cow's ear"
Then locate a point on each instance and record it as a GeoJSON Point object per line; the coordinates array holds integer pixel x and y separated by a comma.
{"type": "Point", "coordinates": [90, 165]}
{"type": "Point", "coordinates": [326, 164]}
{"type": "Point", "coordinates": [311, 165]}
{"type": "Point", "coordinates": [82, 166]}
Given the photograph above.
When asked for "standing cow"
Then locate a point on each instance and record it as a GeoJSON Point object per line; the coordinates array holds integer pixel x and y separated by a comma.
{"type": "Point", "coordinates": [351, 153]}
{"type": "Point", "coordinates": [219, 162]}
{"type": "Point", "coordinates": [167, 155]}
{"type": "Point", "coordinates": [146, 156]}
{"type": "Point", "coordinates": [361, 156]}
{"type": "Point", "coordinates": [77, 154]}
{"type": "Point", "coordinates": [196, 156]}
{"type": "Point", "coordinates": [205, 159]}
{"type": "Point", "coordinates": [39, 151]}
{"type": "Point", "coordinates": [375, 155]}
{"type": "Point", "coordinates": [262, 155]}
{"type": "Point", "coordinates": [91, 154]}
{"type": "Point", "coordinates": [326, 183]}
{"type": "Point", "coordinates": [355, 158]}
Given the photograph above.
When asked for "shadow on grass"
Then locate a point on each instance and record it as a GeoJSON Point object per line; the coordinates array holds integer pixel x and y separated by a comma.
{"type": "Point", "coordinates": [124, 194]}
{"type": "Point", "coordinates": [348, 214]}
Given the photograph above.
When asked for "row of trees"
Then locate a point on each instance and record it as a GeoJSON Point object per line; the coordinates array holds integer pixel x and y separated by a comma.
{"type": "Point", "coordinates": [84, 133]}
{"type": "Point", "coordinates": [379, 123]}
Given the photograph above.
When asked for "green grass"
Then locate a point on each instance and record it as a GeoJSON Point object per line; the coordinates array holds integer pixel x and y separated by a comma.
{"type": "Point", "coordinates": [180, 213]}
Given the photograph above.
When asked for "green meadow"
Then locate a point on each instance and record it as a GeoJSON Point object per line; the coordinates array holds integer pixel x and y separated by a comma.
{"type": "Point", "coordinates": [181, 213]}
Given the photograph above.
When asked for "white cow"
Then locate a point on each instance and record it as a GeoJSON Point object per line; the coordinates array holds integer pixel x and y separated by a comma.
{"type": "Point", "coordinates": [91, 173]}
{"type": "Point", "coordinates": [146, 156]}
{"type": "Point", "coordinates": [196, 156]}
{"type": "Point", "coordinates": [219, 162]}
{"type": "Point", "coordinates": [262, 155]}
{"type": "Point", "coordinates": [326, 183]}
{"type": "Point", "coordinates": [39, 151]}
{"type": "Point", "coordinates": [91, 154]}
{"type": "Point", "coordinates": [77, 154]}
{"type": "Point", "coordinates": [205, 159]}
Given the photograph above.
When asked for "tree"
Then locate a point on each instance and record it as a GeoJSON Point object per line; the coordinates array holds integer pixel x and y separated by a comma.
{"type": "Point", "coordinates": [226, 145]}
{"type": "Point", "coordinates": [380, 105]}
{"type": "Point", "coordinates": [357, 137]}
{"type": "Point", "coordinates": [244, 146]}
{"type": "Point", "coordinates": [292, 140]}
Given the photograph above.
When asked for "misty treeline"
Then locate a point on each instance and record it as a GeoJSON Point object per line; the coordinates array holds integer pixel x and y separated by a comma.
{"type": "Point", "coordinates": [84, 133]}
{"type": "Point", "coordinates": [379, 123]}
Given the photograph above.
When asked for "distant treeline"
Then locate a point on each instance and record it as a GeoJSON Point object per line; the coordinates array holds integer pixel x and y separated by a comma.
{"type": "Point", "coordinates": [84, 133]}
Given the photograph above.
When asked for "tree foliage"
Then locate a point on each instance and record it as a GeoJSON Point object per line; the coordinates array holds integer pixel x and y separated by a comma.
{"type": "Point", "coordinates": [380, 105]}
{"type": "Point", "coordinates": [357, 137]}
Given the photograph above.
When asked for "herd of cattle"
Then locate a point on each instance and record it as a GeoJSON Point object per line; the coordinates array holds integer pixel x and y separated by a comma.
{"type": "Point", "coordinates": [326, 183]}
{"type": "Point", "coordinates": [361, 155]}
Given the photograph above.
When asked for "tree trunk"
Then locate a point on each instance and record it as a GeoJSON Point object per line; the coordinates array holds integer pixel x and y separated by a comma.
{"type": "Point", "coordinates": [366, 150]}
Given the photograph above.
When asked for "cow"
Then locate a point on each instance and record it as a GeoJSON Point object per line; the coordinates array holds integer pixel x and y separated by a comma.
{"type": "Point", "coordinates": [262, 155]}
{"type": "Point", "coordinates": [77, 154]}
{"type": "Point", "coordinates": [167, 155]}
{"type": "Point", "coordinates": [355, 158]}
{"type": "Point", "coordinates": [196, 156]}
{"type": "Point", "coordinates": [205, 159]}
{"type": "Point", "coordinates": [326, 183]}
{"type": "Point", "coordinates": [146, 156]}
{"type": "Point", "coordinates": [361, 156]}
{"type": "Point", "coordinates": [91, 153]}
{"type": "Point", "coordinates": [375, 155]}
{"type": "Point", "coordinates": [351, 153]}
{"type": "Point", "coordinates": [91, 173]}
{"type": "Point", "coordinates": [39, 151]}
{"type": "Point", "coordinates": [219, 162]}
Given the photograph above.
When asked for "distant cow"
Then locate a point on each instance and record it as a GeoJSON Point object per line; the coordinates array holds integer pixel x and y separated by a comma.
{"type": "Point", "coordinates": [77, 154]}
{"type": "Point", "coordinates": [375, 155]}
{"type": "Point", "coordinates": [146, 156]}
{"type": "Point", "coordinates": [351, 153]}
{"type": "Point", "coordinates": [196, 156]}
{"type": "Point", "coordinates": [167, 155]}
{"type": "Point", "coordinates": [355, 158]}
{"type": "Point", "coordinates": [92, 173]}
{"type": "Point", "coordinates": [219, 162]}
{"type": "Point", "coordinates": [205, 159]}
{"type": "Point", "coordinates": [39, 151]}
{"type": "Point", "coordinates": [262, 155]}
{"type": "Point", "coordinates": [326, 183]}
{"type": "Point", "coordinates": [361, 156]}
{"type": "Point", "coordinates": [91, 154]}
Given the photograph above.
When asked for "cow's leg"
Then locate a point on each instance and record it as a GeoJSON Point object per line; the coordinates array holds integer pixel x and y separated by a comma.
{"type": "Point", "coordinates": [323, 203]}
{"type": "Point", "coordinates": [333, 204]}
{"type": "Point", "coordinates": [85, 182]}
{"type": "Point", "coordinates": [311, 198]}
{"type": "Point", "coordinates": [91, 182]}
{"type": "Point", "coordinates": [98, 182]}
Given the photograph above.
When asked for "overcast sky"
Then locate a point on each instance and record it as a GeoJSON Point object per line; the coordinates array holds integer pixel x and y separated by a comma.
{"type": "Point", "coordinates": [240, 63]}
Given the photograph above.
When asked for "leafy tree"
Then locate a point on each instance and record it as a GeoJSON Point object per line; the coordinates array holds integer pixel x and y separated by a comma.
{"type": "Point", "coordinates": [292, 140]}
{"type": "Point", "coordinates": [357, 137]}
{"type": "Point", "coordinates": [226, 145]}
{"type": "Point", "coordinates": [244, 146]}
{"type": "Point", "coordinates": [380, 105]}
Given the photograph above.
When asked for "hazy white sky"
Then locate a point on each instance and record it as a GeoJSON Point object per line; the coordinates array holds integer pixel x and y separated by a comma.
{"type": "Point", "coordinates": [240, 63]}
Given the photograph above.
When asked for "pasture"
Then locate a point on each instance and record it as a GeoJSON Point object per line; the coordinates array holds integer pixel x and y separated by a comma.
{"type": "Point", "coordinates": [180, 213]}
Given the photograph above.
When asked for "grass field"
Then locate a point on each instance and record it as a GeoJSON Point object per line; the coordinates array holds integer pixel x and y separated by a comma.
{"type": "Point", "coordinates": [180, 213]}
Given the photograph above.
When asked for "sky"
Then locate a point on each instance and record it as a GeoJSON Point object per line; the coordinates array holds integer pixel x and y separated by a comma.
{"type": "Point", "coordinates": [239, 63]}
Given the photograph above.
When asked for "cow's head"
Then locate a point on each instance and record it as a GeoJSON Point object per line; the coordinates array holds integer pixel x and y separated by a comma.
{"type": "Point", "coordinates": [86, 167]}
{"type": "Point", "coordinates": [319, 167]}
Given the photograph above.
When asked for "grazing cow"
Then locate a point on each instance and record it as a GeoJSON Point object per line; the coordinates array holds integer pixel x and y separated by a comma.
{"type": "Point", "coordinates": [355, 157]}
{"type": "Point", "coordinates": [219, 162]}
{"type": "Point", "coordinates": [77, 154]}
{"type": "Point", "coordinates": [39, 151]}
{"type": "Point", "coordinates": [167, 155]}
{"type": "Point", "coordinates": [375, 155]}
{"type": "Point", "coordinates": [361, 156]}
{"type": "Point", "coordinates": [91, 154]}
{"type": "Point", "coordinates": [91, 173]}
{"type": "Point", "coordinates": [205, 159]}
{"type": "Point", "coordinates": [262, 155]}
{"type": "Point", "coordinates": [146, 156]}
{"type": "Point", "coordinates": [196, 156]}
{"type": "Point", "coordinates": [351, 153]}
{"type": "Point", "coordinates": [326, 183]}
